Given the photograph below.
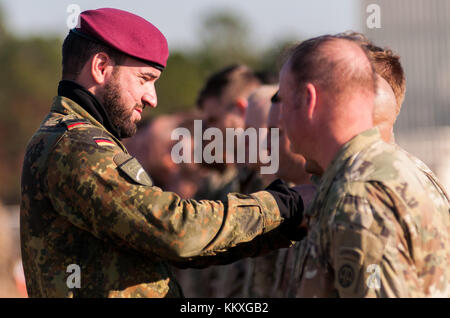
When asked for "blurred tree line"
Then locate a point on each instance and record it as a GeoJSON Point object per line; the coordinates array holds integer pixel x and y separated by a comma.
{"type": "Point", "coordinates": [30, 69]}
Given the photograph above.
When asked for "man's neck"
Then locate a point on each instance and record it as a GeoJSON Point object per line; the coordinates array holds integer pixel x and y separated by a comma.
{"type": "Point", "coordinates": [343, 123]}
{"type": "Point", "coordinates": [328, 149]}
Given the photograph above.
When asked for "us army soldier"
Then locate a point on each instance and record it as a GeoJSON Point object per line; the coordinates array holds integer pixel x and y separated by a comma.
{"type": "Point", "coordinates": [378, 227]}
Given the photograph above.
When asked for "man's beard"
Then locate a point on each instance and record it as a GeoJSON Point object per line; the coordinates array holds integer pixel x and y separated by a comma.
{"type": "Point", "coordinates": [118, 113]}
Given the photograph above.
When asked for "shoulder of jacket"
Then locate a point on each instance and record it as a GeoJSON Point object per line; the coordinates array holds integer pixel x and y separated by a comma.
{"type": "Point", "coordinates": [72, 121]}
{"type": "Point", "coordinates": [81, 130]}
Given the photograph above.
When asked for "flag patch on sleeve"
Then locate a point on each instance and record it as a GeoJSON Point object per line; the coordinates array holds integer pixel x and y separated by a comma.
{"type": "Point", "coordinates": [102, 141]}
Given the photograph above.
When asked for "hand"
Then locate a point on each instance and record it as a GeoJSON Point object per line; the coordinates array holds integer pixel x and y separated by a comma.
{"type": "Point", "coordinates": [292, 202]}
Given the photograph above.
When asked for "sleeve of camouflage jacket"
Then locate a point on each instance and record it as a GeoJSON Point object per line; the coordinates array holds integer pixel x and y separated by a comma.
{"type": "Point", "coordinates": [369, 250]}
{"type": "Point", "coordinates": [95, 188]}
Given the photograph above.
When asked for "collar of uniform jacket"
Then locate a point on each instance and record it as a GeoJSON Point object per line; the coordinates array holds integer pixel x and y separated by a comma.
{"type": "Point", "coordinates": [88, 102]}
{"type": "Point", "coordinates": [346, 154]}
{"type": "Point", "coordinates": [349, 150]}
{"type": "Point", "coordinates": [66, 106]}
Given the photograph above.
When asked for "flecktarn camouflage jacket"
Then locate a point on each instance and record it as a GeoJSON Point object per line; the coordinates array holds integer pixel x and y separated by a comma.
{"type": "Point", "coordinates": [88, 205]}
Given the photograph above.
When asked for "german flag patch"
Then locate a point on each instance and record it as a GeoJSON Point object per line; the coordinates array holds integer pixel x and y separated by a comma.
{"type": "Point", "coordinates": [102, 141]}
{"type": "Point", "coordinates": [73, 123]}
{"type": "Point", "coordinates": [72, 126]}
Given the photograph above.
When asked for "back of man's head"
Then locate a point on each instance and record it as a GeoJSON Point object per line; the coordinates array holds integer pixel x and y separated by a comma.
{"type": "Point", "coordinates": [338, 66]}
{"type": "Point", "coordinates": [384, 111]}
{"type": "Point", "coordinates": [386, 63]}
{"type": "Point", "coordinates": [388, 66]}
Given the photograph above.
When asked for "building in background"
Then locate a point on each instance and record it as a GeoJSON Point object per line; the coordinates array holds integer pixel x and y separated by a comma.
{"type": "Point", "coordinates": [419, 31]}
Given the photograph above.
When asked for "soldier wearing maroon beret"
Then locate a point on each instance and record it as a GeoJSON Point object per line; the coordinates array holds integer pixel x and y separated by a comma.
{"type": "Point", "coordinates": [92, 223]}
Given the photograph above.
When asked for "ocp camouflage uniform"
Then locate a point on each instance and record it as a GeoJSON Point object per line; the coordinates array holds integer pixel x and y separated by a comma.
{"type": "Point", "coordinates": [86, 201]}
{"type": "Point", "coordinates": [378, 227]}
{"type": "Point", "coordinates": [427, 172]}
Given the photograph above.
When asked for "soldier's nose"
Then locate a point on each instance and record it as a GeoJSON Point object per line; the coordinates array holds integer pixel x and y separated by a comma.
{"type": "Point", "coordinates": [150, 100]}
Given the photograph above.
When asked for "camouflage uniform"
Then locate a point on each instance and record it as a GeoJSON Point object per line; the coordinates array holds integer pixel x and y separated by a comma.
{"type": "Point", "coordinates": [378, 227]}
{"type": "Point", "coordinates": [262, 276]}
{"type": "Point", "coordinates": [428, 173]}
{"type": "Point", "coordinates": [86, 201]}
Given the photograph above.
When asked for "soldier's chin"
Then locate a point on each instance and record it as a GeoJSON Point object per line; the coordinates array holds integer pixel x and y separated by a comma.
{"type": "Point", "coordinates": [128, 131]}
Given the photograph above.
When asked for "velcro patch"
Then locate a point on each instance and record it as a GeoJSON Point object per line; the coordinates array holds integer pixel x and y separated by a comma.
{"type": "Point", "coordinates": [132, 168]}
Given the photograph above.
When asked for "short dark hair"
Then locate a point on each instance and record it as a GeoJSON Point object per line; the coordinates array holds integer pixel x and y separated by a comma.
{"type": "Point", "coordinates": [232, 81]}
{"type": "Point", "coordinates": [386, 63]}
{"type": "Point", "coordinates": [77, 50]}
{"type": "Point", "coordinates": [311, 61]}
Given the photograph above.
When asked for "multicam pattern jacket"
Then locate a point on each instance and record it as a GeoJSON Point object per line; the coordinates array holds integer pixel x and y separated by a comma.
{"type": "Point", "coordinates": [86, 201]}
{"type": "Point", "coordinates": [378, 227]}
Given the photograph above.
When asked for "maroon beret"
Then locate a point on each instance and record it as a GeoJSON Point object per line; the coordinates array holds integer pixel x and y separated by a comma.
{"type": "Point", "coordinates": [125, 32]}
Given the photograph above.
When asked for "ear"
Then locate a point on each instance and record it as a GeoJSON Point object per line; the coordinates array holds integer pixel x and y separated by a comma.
{"type": "Point", "coordinates": [242, 104]}
{"type": "Point", "coordinates": [100, 64]}
{"type": "Point", "coordinates": [311, 100]}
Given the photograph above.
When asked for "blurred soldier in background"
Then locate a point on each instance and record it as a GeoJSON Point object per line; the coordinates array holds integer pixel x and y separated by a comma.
{"type": "Point", "coordinates": [250, 178]}
{"type": "Point", "coordinates": [12, 280]}
{"type": "Point", "coordinates": [154, 141]}
{"type": "Point", "coordinates": [230, 280]}
{"type": "Point", "coordinates": [376, 220]}
{"type": "Point", "coordinates": [270, 275]}
{"type": "Point", "coordinates": [223, 101]}
{"type": "Point", "coordinates": [6, 263]}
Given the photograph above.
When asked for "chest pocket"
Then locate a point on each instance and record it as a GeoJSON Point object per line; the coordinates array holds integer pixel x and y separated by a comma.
{"type": "Point", "coordinates": [132, 168]}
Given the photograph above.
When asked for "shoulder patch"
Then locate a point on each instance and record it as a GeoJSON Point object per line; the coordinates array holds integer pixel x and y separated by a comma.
{"type": "Point", "coordinates": [132, 168]}
{"type": "Point", "coordinates": [346, 275]}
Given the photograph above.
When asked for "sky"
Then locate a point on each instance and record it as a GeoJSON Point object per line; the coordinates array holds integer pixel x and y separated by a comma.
{"type": "Point", "coordinates": [180, 20]}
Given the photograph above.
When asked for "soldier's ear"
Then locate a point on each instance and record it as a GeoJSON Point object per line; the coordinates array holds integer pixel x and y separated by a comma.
{"type": "Point", "coordinates": [311, 100]}
{"type": "Point", "coordinates": [100, 65]}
